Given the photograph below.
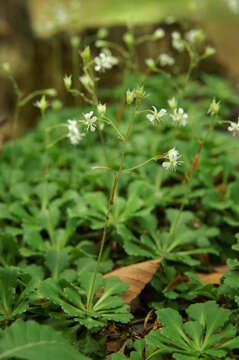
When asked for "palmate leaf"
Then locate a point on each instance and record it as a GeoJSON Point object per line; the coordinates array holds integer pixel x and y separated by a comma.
{"type": "Point", "coordinates": [180, 245]}
{"type": "Point", "coordinates": [206, 334]}
{"type": "Point", "coordinates": [73, 300]}
{"type": "Point", "coordinates": [15, 292]}
{"type": "Point", "coordinates": [32, 341]}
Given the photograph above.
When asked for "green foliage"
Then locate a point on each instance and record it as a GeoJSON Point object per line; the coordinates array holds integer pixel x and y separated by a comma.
{"type": "Point", "coordinates": [178, 243]}
{"type": "Point", "coordinates": [69, 214]}
{"type": "Point", "coordinates": [74, 300]}
{"type": "Point", "coordinates": [207, 334]}
{"type": "Point", "coordinates": [32, 341]}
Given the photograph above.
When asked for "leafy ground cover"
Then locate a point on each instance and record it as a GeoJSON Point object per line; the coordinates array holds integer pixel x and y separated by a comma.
{"type": "Point", "coordinates": [96, 188]}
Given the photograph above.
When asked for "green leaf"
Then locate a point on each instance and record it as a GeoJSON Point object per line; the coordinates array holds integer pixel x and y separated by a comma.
{"type": "Point", "coordinates": [29, 340]}
{"type": "Point", "coordinates": [74, 300]}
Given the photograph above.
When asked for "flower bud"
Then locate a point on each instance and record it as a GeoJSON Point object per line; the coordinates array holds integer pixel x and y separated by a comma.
{"type": "Point", "coordinates": [151, 64]}
{"type": "Point", "coordinates": [139, 93]}
{"type": "Point", "coordinates": [128, 39]}
{"type": "Point", "coordinates": [101, 43]}
{"type": "Point", "coordinates": [101, 108]}
{"type": "Point", "coordinates": [214, 107]}
{"type": "Point", "coordinates": [68, 82]}
{"type": "Point", "coordinates": [130, 96]}
{"type": "Point", "coordinates": [56, 105]}
{"type": "Point", "coordinates": [102, 33]}
{"type": "Point", "coordinates": [6, 67]}
{"type": "Point", "coordinates": [42, 104]}
{"type": "Point", "coordinates": [85, 54]}
{"type": "Point", "coordinates": [75, 41]}
{"type": "Point", "coordinates": [209, 51]}
{"type": "Point", "coordinates": [173, 103]}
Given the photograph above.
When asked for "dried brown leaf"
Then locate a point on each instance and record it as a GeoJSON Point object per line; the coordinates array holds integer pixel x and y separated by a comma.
{"type": "Point", "coordinates": [137, 276]}
{"type": "Point", "coordinates": [215, 277]}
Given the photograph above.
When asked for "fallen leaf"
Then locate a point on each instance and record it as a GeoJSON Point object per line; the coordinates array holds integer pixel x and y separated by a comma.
{"type": "Point", "coordinates": [215, 277]}
{"type": "Point", "coordinates": [137, 276]}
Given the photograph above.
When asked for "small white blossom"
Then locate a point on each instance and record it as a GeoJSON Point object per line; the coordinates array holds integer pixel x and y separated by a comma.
{"type": "Point", "coordinates": [172, 158]}
{"type": "Point", "coordinates": [156, 115]}
{"type": "Point", "coordinates": [234, 128]}
{"type": "Point", "coordinates": [73, 132]}
{"type": "Point", "coordinates": [90, 121]}
{"type": "Point", "coordinates": [105, 61]}
{"type": "Point", "coordinates": [179, 117]}
{"type": "Point", "coordinates": [173, 103]}
{"type": "Point", "coordinates": [177, 41]}
{"type": "Point", "coordinates": [158, 34]}
{"type": "Point", "coordinates": [101, 108]}
{"type": "Point", "coordinates": [166, 60]}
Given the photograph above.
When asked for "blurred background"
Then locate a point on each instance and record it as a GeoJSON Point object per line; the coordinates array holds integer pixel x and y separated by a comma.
{"type": "Point", "coordinates": [36, 40]}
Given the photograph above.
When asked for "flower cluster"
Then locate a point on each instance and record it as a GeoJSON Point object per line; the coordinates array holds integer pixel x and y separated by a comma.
{"type": "Point", "coordinates": [105, 61]}
{"type": "Point", "coordinates": [178, 115]}
{"type": "Point", "coordinates": [172, 159]}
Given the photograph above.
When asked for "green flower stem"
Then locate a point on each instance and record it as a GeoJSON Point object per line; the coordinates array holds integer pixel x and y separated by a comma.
{"type": "Point", "coordinates": [154, 158]}
{"type": "Point", "coordinates": [46, 170]}
{"type": "Point", "coordinates": [60, 138]}
{"type": "Point", "coordinates": [111, 123]}
{"type": "Point", "coordinates": [31, 96]}
{"type": "Point", "coordinates": [57, 61]}
{"type": "Point", "coordinates": [75, 67]}
{"type": "Point", "coordinates": [15, 118]}
{"type": "Point", "coordinates": [110, 205]}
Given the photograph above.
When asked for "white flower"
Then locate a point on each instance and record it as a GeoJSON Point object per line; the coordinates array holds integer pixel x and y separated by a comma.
{"type": "Point", "coordinates": [101, 108]}
{"type": "Point", "coordinates": [166, 60]}
{"type": "Point", "coordinates": [158, 34]}
{"type": "Point", "coordinates": [179, 117]}
{"type": "Point", "coordinates": [90, 121]}
{"type": "Point", "coordinates": [73, 132]}
{"type": "Point", "coordinates": [156, 115]}
{"type": "Point", "coordinates": [105, 61]}
{"type": "Point", "coordinates": [177, 41]}
{"type": "Point", "coordinates": [172, 158]}
{"type": "Point", "coordinates": [234, 128]}
{"type": "Point", "coordinates": [173, 103]}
